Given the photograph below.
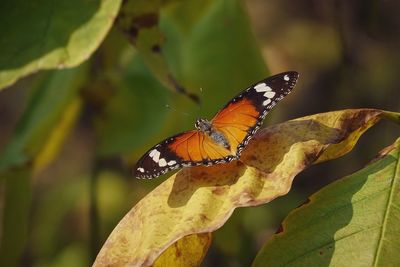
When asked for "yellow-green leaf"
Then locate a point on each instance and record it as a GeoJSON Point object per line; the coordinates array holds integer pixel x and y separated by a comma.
{"type": "Point", "coordinates": [188, 251]}
{"type": "Point", "coordinates": [351, 222]}
{"type": "Point", "coordinates": [201, 199]}
{"type": "Point", "coordinates": [44, 34]}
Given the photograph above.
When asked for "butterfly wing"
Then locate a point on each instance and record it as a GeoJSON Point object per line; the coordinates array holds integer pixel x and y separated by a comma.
{"type": "Point", "coordinates": [186, 149]}
{"type": "Point", "coordinates": [244, 114]}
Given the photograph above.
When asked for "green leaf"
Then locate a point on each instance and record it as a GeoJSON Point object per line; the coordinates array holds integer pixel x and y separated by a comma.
{"type": "Point", "coordinates": [51, 111]}
{"type": "Point", "coordinates": [351, 222]}
{"type": "Point", "coordinates": [45, 34]}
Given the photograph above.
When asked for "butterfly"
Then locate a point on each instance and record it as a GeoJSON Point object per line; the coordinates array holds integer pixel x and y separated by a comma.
{"type": "Point", "coordinates": [223, 138]}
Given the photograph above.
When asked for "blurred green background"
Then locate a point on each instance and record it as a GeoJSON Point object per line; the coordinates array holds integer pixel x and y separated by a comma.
{"type": "Point", "coordinates": [69, 137]}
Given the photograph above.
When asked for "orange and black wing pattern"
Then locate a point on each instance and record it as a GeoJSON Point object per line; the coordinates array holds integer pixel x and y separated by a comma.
{"type": "Point", "coordinates": [244, 114]}
{"type": "Point", "coordinates": [190, 148]}
{"type": "Point", "coordinates": [225, 137]}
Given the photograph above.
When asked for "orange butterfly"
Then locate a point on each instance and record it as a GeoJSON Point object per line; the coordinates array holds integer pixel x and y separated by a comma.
{"type": "Point", "coordinates": [224, 137]}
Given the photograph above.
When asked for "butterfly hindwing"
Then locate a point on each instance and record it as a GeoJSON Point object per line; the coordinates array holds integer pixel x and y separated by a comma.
{"type": "Point", "coordinates": [186, 149]}
{"type": "Point", "coordinates": [244, 114]}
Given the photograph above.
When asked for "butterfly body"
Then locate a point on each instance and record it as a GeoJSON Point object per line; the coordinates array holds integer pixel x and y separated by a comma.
{"type": "Point", "coordinates": [205, 126]}
{"type": "Point", "coordinates": [224, 137]}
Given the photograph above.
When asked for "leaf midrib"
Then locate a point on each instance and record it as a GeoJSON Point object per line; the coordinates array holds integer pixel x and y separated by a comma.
{"type": "Point", "coordinates": [385, 219]}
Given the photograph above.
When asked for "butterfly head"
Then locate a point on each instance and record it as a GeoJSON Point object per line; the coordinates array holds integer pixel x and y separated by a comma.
{"type": "Point", "coordinates": [203, 125]}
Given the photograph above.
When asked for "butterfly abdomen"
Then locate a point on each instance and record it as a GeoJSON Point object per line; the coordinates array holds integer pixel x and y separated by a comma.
{"type": "Point", "coordinates": [220, 139]}
{"type": "Point", "coordinates": [205, 126]}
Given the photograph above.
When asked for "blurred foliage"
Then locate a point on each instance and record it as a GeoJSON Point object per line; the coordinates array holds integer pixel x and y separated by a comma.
{"type": "Point", "coordinates": [49, 102]}
{"type": "Point", "coordinates": [69, 137]}
{"type": "Point", "coordinates": [16, 199]}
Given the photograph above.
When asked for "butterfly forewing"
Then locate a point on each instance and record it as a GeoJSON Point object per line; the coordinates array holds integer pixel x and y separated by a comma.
{"type": "Point", "coordinates": [244, 114]}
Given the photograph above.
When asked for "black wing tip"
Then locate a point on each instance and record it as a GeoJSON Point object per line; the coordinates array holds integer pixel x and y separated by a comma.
{"type": "Point", "coordinates": [293, 74]}
{"type": "Point", "coordinates": [289, 72]}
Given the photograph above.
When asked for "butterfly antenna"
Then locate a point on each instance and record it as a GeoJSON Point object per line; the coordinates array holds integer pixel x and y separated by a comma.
{"type": "Point", "coordinates": [201, 103]}
{"type": "Point", "coordinates": [178, 111]}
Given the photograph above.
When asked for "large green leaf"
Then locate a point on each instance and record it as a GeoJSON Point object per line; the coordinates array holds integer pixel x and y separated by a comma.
{"type": "Point", "coordinates": [351, 222]}
{"type": "Point", "coordinates": [201, 199]}
{"type": "Point", "coordinates": [46, 34]}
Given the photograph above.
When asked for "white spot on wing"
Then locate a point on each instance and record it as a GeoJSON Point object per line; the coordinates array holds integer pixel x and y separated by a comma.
{"type": "Point", "coordinates": [286, 78]}
{"type": "Point", "coordinates": [162, 162]}
{"type": "Point", "coordinates": [156, 156]}
{"type": "Point", "coordinates": [151, 154]}
{"type": "Point", "coordinates": [171, 162]}
{"type": "Point", "coordinates": [269, 94]}
{"type": "Point", "coordinates": [266, 102]}
{"type": "Point", "coordinates": [262, 87]}
{"type": "Point", "coordinates": [140, 169]}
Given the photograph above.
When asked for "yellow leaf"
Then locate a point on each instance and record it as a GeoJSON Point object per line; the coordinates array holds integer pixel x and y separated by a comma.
{"type": "Point", "coordinates": [201, 199]}
{"type": "Point", "coordinates": [186, 252]}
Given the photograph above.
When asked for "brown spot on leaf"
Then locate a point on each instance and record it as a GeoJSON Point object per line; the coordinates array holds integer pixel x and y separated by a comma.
{"type": "Point", "coordinates": [156, 48]}
{"type": "Point", "coordinates": [358, 120]}
{"type": "Point", "coordinates": [204, 218]}
{"type": "Point", "coordinates": [280, 229]}
{"type": "Point", "coordinates": [219, 190]}
{"type": "Point", "coordinates": [312, 156]}
{"type": "Point", "coordinates": [178, 252]}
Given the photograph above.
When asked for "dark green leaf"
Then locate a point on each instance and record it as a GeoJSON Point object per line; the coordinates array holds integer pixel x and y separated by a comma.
{"type": "Point", "coordinates": [46, 34]}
